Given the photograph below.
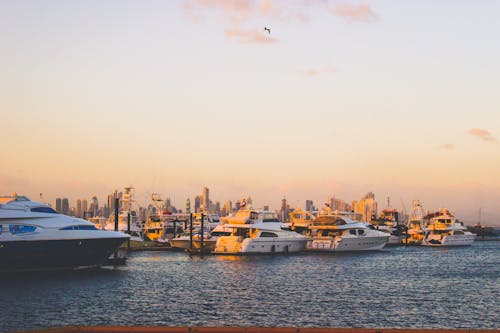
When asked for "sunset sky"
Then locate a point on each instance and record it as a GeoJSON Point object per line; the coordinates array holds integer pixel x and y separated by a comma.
{"type": "Point", "coordinates": [401, 98]}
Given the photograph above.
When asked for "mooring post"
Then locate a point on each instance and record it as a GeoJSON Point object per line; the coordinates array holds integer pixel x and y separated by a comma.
{"type": "Point", "coordinates": [191, 231]}
{"type": "Point", "coordinates": [128, 229]}
{"type": "Point", "coordinates": [202, 230]}
{"type": "Point", "coordinates": [117, 203]}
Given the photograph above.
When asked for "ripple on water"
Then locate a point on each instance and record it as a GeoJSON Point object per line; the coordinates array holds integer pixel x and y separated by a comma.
{"type": "Point", "coordinates": [396, 287]}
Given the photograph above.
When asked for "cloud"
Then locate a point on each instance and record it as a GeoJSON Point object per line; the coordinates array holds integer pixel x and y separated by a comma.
{"type": "Point", "coordinates": [482, 134]}
{"type": "Point", "coordinates": [315, 71]}
{"type": "Point", "coordinates": [361, 12]}
{"type": "Point", "coordinates": [448, 146]}
{"type": "Point", "coordinates": [250, 36]}
{"type": "Point", "coordinates": [240, 13]}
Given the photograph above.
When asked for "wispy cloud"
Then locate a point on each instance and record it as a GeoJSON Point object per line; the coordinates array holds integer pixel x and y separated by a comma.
{"type": "Point", "coordinates": [315, 71]}
{"type": "Point", "coordinates": [250, 36]}
{"type": "Point", "coordinates": [482, 134]}
{"type": "Point", "coordinates": [361, 12]}
{"type": "Point", "coordinates": [447, 146]}
{"type": "Point", "coordinates": [240, 14]}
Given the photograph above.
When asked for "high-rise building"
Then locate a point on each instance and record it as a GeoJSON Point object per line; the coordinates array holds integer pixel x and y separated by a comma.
{"type": "Point", "coordinates": [266, 208]}
{"type": "Point", "coordinates": [84, 208]}
{"type": "Point", "coordinates": [367, 206]}
{"type": "Point", "coordinates": [188, 206]}
{"type": "Point", "coordinates": [79, 208]}
{"type": "Point", "coordinates": [228, 207]}
{"type": "Point", "coordinates": [197, 203]}
{"type": "Point", "coordinates": [205, 199]}
{"type": "Point", "coordinates": [94, 206]}
{"type": "Point", "coordinates": [309, 205]}
{"type": "Point", "coordinates": [285, 210]}
{"type": "Point", "coordinates": [58, 205]}
{"type": "Point", "coordinates": [65, 206]}
{"type": "Point", "coordinates": [237, 206]}
{"type": "Point", "coordinates": [217, 207]}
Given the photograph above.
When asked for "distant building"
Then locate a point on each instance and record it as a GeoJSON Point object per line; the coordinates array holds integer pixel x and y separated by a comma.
{"type": "Point", "coordinates": [338, 204]}
{"type": "Point", "coordinates": [94, 206]}
{"type": "Point", "coordinates": [84, 209]}
{"type": "Point", "coordinates": [309, 205]}
{"type": "Point", "coordinates": [197, 203]}
{"type": "Point", "coordinates": [65, 206]}
{"type": "Point", "coordinates": [205, 199]}
{"type": "Point", "coordinates": [188, 206]}
{"type": "Point", "coordinates": [367, 206]}
{"type": "Point", "coordinates": [237, 206]}
{"type": "Point", "coordinates": [285, 210]}
{"type": "Point", "coordinates": [266, 208]}
{"type": "Point", "coordinates": [79, 212]}
{"type": "Point", "coordinates": [58, 205]}
{"type": "Point", "coordinates": [228, 207]}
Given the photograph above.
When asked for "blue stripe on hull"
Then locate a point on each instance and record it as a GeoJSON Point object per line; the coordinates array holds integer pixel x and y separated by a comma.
{"type": "Point", "coordinates": [54, 254]}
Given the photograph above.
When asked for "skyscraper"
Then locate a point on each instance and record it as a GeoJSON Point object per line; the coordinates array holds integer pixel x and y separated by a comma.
{"type": "Point", "coordinates": [205, 200]}
{"type": "Point", "coordinates": [65, 206]}
{"type": "Point", "coordinates": [228, 207]}
{"type": "Point", "coordinates": [309, 205]}
{"type": "Point", "coordinates": [58, 205]}
{"type": "Point", "coordinates": [197, 203]}
{"type": "Point", "coordinates": [188, 206]}
{"type": "Point", "coordinates": [84, 208]}
{"type": "Point", "coordinates": [79, 212]}
{"type": "Point", "coordinates": [367, 206]}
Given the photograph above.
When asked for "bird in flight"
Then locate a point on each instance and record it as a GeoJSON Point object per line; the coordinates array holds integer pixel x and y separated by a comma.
{"type": "Point", "coordinates": [268, 30]}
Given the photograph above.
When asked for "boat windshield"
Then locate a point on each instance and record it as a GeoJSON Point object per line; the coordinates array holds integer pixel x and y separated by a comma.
{"type": "Point", "coordinates": [270, 217]}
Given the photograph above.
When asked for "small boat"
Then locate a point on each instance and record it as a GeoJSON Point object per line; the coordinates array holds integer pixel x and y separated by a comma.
{"type": "Point", "coordinates": [254, 232]}
{"type": "Point", "coordinates": [212, 229]}
{"type": "Point", "coordinates": [445, 230]}
{"type": "Point", "coordinates": [33, 236]}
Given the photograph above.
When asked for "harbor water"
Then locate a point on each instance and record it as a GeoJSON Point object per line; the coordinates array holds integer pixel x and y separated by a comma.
{"type": "Point", "coordinates": [401, 287]}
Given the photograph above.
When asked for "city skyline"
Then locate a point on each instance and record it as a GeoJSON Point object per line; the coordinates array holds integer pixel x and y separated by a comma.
{"type": "Point", "coordinates": [340, 98]}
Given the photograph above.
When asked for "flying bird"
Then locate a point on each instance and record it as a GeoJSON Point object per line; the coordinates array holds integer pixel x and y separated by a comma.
{"type": "Point", "coordinates": [268, 30]}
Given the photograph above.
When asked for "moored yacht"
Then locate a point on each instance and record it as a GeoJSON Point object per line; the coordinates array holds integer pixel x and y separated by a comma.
{"type": "Point", "coordinates": [445, 230]}
{"type": "Point", "coordinates": [255, 232]}
{"type": "Point", "coordinates": [212, 229]}
{"type": "Point", "coordinates": [416, 225]}
{"type": "Point", "coordinates": [33, 236]}
{"type": "Point", "coordinates": [334, 231]}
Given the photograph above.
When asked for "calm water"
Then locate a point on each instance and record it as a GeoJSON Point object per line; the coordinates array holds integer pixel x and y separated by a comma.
{"type": "Point", "coordinates": [396, 287]}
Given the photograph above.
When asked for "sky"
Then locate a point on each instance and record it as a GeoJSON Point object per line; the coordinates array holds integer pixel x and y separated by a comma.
{"type": "Point", "coordinates": [400, 98]}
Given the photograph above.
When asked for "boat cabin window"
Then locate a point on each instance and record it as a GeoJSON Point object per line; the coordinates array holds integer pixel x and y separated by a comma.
{"type": "Point", "coordinates": [352, 232]}
{"type": "Point", "coordinates": [254, 216]}
{"type": "Point", "coordinates": [361, 232]}
{"type": "Point", "coordinates": [21, 229]}
{"type": "Point", "coordinates": [329, 233]}
{"type": "Point", "coordinates": [79, 227]}
{"type": "Point", "coordinates": [458, 232]}
{"type": "Point", "coordinates": [43, 210]}
{"type": "Point", "coordinates": [268, 234]}
{"type": "Point", "coordinates": [243, 232]}
{"type": "Point", "coordinates": [220, 233]}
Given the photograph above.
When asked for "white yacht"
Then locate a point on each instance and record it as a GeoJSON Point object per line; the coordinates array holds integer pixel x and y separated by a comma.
{"type": "Point", "coordinates": [33, 236]}
{"type": "Point", "coordinates": [335, 231]}
{"type": "Point", "coordinates": [258, 232]}
{"type": "Point", "coordinates": [445, 230]}
{"type": "Point", "coordinates": [416, 225]}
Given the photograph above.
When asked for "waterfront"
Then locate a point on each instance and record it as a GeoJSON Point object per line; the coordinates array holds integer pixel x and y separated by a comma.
{"type": "Point", "coordinates": [396, 287]}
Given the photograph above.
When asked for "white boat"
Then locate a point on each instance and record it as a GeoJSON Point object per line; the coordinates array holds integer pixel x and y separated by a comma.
{"type": "Point", "coordinates": [445, 230]}
{"type": "Point", "coordinates": [258, 232]}
{"type": "Point", "coordinates": [33, 236]}
{"type": "Point", "coordinates": [388, 222]}
{"type": "Point", "coordinates": [335, 231]}
{"type": "Point", "coordinates": [135, 229]}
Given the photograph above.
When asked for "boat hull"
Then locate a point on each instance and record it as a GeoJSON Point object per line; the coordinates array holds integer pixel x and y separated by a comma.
{"type": "Point", "coordinates": [231, 245]}
{"type": "Point", "coordinates": [451, 240]}
{"type": "Point", "coordinates": [56, 254]}
{"type": "Point", "coordinates": [347, 244]}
